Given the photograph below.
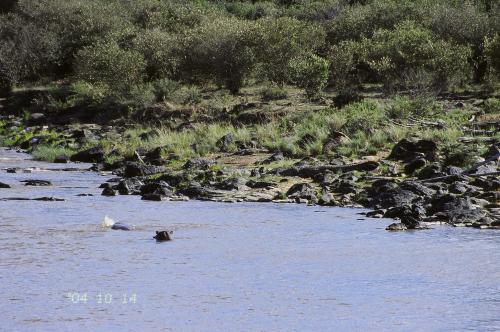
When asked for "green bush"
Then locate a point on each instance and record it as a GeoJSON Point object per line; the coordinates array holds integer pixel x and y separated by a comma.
{"type": "Point", "coordinates": [78, 24]}
{"type": "Point", "coordinates": [492, 106]}
{"type": "Point", "coordinates": [465, 23]}
{"type": "Point", "coordinates": [170, 16]}
{"type": "Point", "coordinates": [492, 46]}
{"type": "Point", "coordinates": [407, 57]}
{"type": "Point", "coordinates": [357, 21]}
{"type": "Point", "coordinates": [188, 95]}
{"type": "Point", "coordinates": [408, 50]}
{"type": "Point", "coordinates": [310, 73]}
{"type": "Point", "coordinates": [251, 11]}
{"type": "Point", "coordinates": [27, 51]}
{"type": "Point", "coordinates": [161, 51]}
{"type": "Point", "coordinates": [107, 63]}
{"type": "Point", "coordinates": [88, 93]}
{"type": "Point", "coordinates": [221, 50]}
{"type": "Point", "coordinates": [164, 89]}
{"type": "Point", "coordinates": [273, 93]}
{"type": "Point", "coordinates": [363, 116]}
{"type": "Point", "coordinates": [281, 40]}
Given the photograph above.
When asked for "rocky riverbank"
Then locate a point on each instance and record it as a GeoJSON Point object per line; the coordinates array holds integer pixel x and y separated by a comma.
{"type": "Point", "coordinates": [411, 184]}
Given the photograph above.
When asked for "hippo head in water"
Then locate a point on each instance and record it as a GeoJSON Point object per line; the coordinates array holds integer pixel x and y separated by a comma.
{"type": "Point", "coordinates": [163, 236]}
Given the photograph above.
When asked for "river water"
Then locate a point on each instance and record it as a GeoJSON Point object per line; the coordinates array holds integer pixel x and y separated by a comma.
{"type": "Point", "coordinates": [231, 267]}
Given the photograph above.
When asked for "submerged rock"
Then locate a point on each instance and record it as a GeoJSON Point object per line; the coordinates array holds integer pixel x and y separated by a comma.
{"type": "Point", "coordinates": [162, 236]}
{"type": "Point", "coordinates": [121, 227]}
{"type": "Point", "coordinates": [37, 183]}
{"type": "Point", "coordinates": [396, 227]}
{"type": "Point", "coordinates": [108, 192]}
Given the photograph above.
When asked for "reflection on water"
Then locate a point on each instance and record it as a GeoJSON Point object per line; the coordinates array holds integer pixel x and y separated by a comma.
{"type": "Point", "coordinates": [231, 267]}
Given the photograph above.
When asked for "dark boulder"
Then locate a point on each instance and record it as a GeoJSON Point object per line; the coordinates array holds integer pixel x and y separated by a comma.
{"type": "Point", "coordinates": [417, 188]}
{"type": "Point", "coordinates": [156, 153]}
{"type": "Point", "coordinates": [397, 227]}
{"type": "Point", "coordinates": [395, 197]}
{"type": "Point", "coordinates": [163, 236]}
{"type": "Point", "coordinates": [4, 185]}
{"type": "Point", "coordinates": [407, 149]}
{"type": "Point", "coordinates": [277, 156]}
{"type": "Point", "coordinates": [157, 187]}
{"type": "Point", "coordinates": [433, 170]}
{"type": "Point", "coordinates": [233, 183]}
{"type": "Point", "coordinates": [225, 143]}
{"type": "Point", "coordinates": [49, 199]}
{"type": "Point", "coordinates": [121, 227]}
{"type": "Point", "coordinates": [61, 159]}
{"type": "Point", "coordinates": [133, 169]}
{"type": "Point", "coordinates": [92, 155]}
{"type": "Point", "coordinates": [37, 183]}
{"type": "Point", "coordinates": [129, 186]}
{"type": "Point", "coordinates": [376, 213]}
{"type": "Point", "coordinates": [173, 179]}
{"type": "Point", "coordinates": [260, 184]}
{"type": "Point", "coordinates": [301, 190]}
{"type": "Point", "coordinates": [344, 187]}
{"type": "Point", "coordinates": [198, 163]}
{"type": "Point", "coordinates": [327, 199]}
{"type": "Point", "coordinates": [195, 190]}
{"type": "Point", "coordinates": [453, 170]}
{"type": "Point", "coordinates": [415, 164]}
{"type": "Point", "coordinates": [153, 197]}
{"type": "Point", "coordinates": [487, 184]}
{"type": "Point", "coordinates": [108, 192]}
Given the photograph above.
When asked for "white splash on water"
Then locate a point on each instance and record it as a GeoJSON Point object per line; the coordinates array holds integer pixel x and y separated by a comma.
{"type": "Point", "coordinates": [107, 222]}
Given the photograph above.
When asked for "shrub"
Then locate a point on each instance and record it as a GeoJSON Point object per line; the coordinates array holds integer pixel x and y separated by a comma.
{"type": "Point", "coordinates": [50, 153]}
{"type": "Point", "coordinates": [363, 116]}
{"type": "Point", "coordinates": [346, 72]}
{"type": "Point", "coordinates": [310, 73]}
{"type": "Point", "coordinates": [27, 51]}
{"type": "Point", "coordinates": [78, 24]}
{"type": "Point", "coordinates": [403, 107]}
{"type": "Point", "coordinates": [357, 21]}
{"type": "Point", "coordinates": [170, 16]}
{"type": "Point", "coordinates": [164, 89]}
{"type": "Point", "coordinates": [392, 56]}
{"type": "Point", "coordinates": [273, 93]}
{"type": "Point", "coordinates": [492, 46]}
{"type": "Point", "coordinates": [107, 63]}
{"type": "Point", "coordinates": [408, 49]}
{"type": "Point", "coordinates": [320, 11]}
{"type": "Point", "coordinates": [7, 5]}
{"type": "Point", "coordinates": [188, 95]}
{"type": "Point", "coordinates": [459, 155]}
{"type": "Point", "coordinates": [464, 23]}
{"type": "Point", "coordinates": [251, 11]}
{"type": "Point", "coordinates": [161, 51]}
{"type": "Point", "coordinates": [222, 50]}
{"type": "Point", "coordinates": [281, 40]}
{"type": "Point", "coordinates": [491, 106]}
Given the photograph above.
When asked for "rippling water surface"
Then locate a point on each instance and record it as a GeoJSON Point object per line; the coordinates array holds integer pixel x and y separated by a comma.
{"type": "Point", "coordinates": [231, 267]}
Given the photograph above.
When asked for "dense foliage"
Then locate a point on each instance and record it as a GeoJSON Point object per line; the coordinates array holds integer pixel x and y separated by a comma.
{"type": "Point", "coordinates": [126, 46]}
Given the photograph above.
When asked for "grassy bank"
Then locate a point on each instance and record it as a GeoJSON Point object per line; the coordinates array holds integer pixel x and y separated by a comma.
{"type": "Point", "coordinates": [286, 122]}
